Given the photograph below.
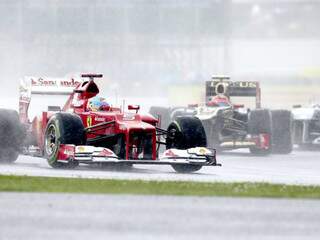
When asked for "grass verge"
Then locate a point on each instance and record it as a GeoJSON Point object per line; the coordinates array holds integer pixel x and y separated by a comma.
{"type": "Point", "coordinates": [78, 185]}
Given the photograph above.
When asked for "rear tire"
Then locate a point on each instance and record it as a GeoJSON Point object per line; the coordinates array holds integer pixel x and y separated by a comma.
{"type": "Point", "coordinates": [62, 128]}
{"type": "Point", "coordinates": [12, 135]}
{"type": "Point", "coordinates": [184, 133]}
{"type": "Point", "coordinates": [282, 124]}
{"type": "Point", "coordinates": [260, 121]}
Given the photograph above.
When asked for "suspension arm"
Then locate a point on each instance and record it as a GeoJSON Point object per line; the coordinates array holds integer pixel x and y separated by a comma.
{"type": "Point", "coordinates": [161, 131]}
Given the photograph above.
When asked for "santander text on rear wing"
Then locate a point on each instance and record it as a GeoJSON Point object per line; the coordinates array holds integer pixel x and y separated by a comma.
{"type": "Point", "coordinates": [47, 86]}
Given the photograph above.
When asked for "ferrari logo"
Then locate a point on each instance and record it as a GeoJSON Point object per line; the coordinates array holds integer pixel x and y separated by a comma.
{"type": "Point", "coordinates": [89, 121]}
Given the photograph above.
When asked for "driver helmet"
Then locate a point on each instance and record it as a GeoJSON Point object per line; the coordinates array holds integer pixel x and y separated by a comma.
{"type": "Point", "coordinates": [219, 101]}
{"type": "Point", "coordinates": [97, 104]}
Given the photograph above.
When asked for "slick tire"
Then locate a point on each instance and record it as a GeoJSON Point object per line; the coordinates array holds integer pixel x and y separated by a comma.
{"type": "Point", "coordinates": [184, 168]}
{"type": "Point", "coordinates": [282, 125]}
{"type": "Point", "coordinates": [260, 121]}
{"type": "Point", "coordinates": [184, 133]}
{"type": "Point", "coordinates": [62, 128]}
{"type": "Point", "coordinates": [12, 135]}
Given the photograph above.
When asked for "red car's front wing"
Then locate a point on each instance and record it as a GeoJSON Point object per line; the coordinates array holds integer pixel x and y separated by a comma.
{"type": "Point", "coordinates": [89, 154]}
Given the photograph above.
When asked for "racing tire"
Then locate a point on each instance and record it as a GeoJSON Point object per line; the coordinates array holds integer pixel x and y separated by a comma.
{"type": "Point", "coordinates": [186, 168]}
{"type": "Point", "coordinates": [62, 128]}
{"type": "Point", "coordinates": [12, 135]}
{"type": "Point", "coordinates": [282, 138]}
{"type": "Point", "coordinates": [184, 133]}
{"type": "Point", "coordinates": [260, 121]}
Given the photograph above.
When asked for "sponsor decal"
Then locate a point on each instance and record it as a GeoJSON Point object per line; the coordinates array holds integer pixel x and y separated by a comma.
{"type": "Point", "coordinates": [128, 117]}
{"type": "Point", "coordinates": [81, 149]}
{"type": "Point", "coordinates": [54, 82]}
{"type": "Point", "coordinates": [99, 119]}
{"type": "Point", "coordinates": [202, 151]}
{"type": "Point", "coordinates": [247, 84]}
{"type": "Point", "coordinates": [214, 83]}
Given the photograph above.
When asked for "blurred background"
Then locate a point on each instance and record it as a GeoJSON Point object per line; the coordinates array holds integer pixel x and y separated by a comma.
{"type": "Point", "coordinates": [164, 50]}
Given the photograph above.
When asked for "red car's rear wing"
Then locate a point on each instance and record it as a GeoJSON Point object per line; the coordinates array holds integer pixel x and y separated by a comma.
{"type": "Point", "coordinates": [44, 86]}
{"type": "Point", "coordinates": [234, 89]}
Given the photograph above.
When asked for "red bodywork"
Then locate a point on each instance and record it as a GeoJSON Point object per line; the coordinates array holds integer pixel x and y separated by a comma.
{"type": "Point", "coordinates": [110, 122]}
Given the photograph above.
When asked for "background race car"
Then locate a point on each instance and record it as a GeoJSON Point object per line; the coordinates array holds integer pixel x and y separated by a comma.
{"type": "Point", "coordinates": [306, 125]}
{"type": "Point", "coordinates": [229, 125]}
{"type": "Point", "coordinates": [79, 132]}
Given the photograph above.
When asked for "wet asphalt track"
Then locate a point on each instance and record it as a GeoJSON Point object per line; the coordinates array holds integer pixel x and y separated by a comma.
{"type": "Point", "coordinates": [79, 216]}
{"type": "Point", "coordinates": [76, 216]}
{"type": "Point", "coordinates": [299, 167]}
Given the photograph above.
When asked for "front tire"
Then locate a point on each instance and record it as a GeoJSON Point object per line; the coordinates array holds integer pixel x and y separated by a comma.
{"type": "Point", "coordinates": [186, 168]}
{"type": "Point", "coordinates": [184, 133]}
{"type": "Point", "coordinates": [62, 128]}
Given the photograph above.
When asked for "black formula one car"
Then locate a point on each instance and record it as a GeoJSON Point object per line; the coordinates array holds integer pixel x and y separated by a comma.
{"type": "Point", "coordinates": [230, 126]}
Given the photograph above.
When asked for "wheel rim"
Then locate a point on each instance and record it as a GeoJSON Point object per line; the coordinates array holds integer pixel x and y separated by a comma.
{"type": "Point", "coordinates": [51, 140]}
{"type": "Point", "coordinates": [173, 138]}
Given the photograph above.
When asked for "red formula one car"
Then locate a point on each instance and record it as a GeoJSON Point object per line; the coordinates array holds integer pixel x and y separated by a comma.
{"type": "Point", "coordinates": [77, 134]}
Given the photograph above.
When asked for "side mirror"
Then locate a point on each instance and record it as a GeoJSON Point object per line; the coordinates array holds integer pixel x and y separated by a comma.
{"type": "Point", "coordinates": [297, 106]}
{"type": "Point", "coordinates": [134, 107]}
